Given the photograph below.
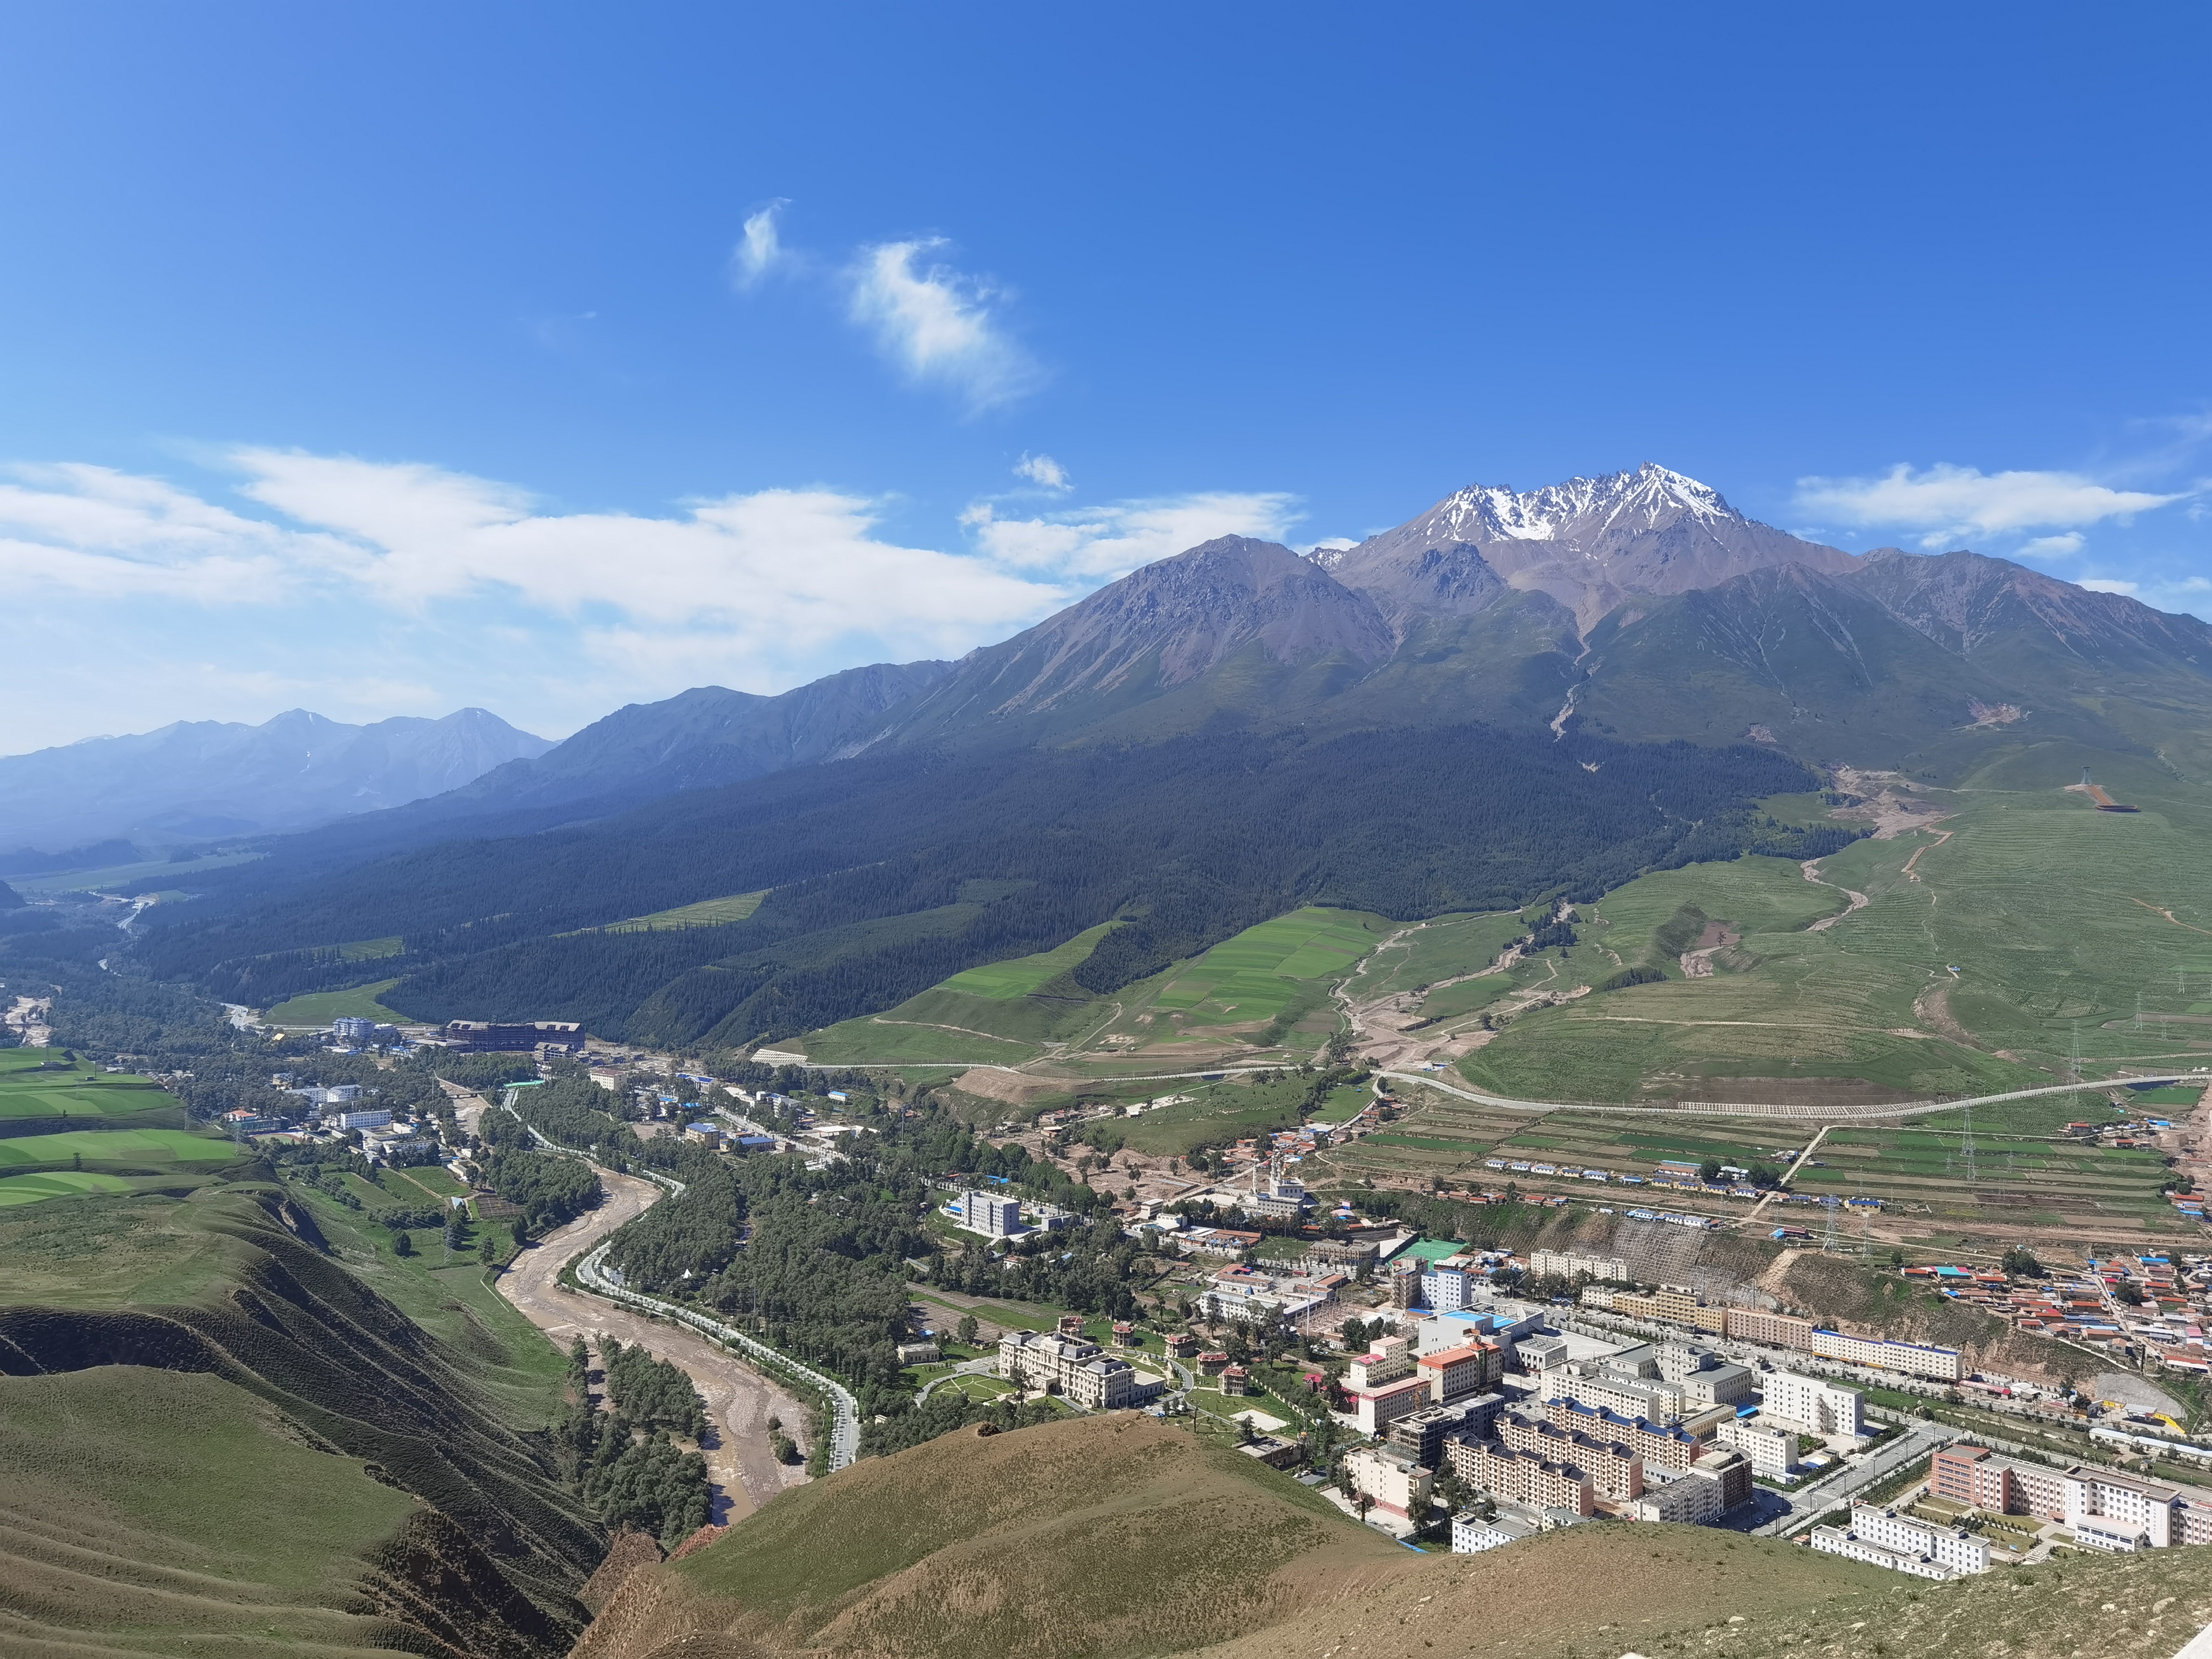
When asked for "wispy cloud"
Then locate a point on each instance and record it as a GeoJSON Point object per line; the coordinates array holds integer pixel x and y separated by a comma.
{"type": "Point", "coordinates": [1947, 503]}
{"type": "Point", "coordinates": [1102, 542]}
{"type": "Point", "coordinates": [937, 324]}
{"type": "Point", "coordinates": [776, 572]}
{"type": "Point", "coordinates": [761, 250]}
{"type": "Point", "coordinates": [2053, 547]}
{"type": "Point", "coordinates": [1043, 471]}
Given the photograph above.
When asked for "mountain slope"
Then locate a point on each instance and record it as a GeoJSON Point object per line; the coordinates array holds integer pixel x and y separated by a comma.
{"type": "Point", "coordinates": [226, 1355]}
{"type": "Point", "coordinates": [1929, 661]}
{"type": "Point", "coordinates": [1252, 608]}
{"type": "Point", "coordinates": [699, 739]}
{"type": "Point", "coordinates": [200, 779]}
{"type": "Point", "coordinates": [1589, 543]}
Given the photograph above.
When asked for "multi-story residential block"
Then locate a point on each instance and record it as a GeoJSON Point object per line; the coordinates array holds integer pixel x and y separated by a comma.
{"type": "Point", "coordinates": [1537, 1354]}
{"type": "Point", "coordinates": [2113, 1512]}
{"type": "Point", "coordinates": [1424, 1433]}
{"type": "Point", "coordinates": [1814, 1404]}
{"type": "Point", "coordinates": [1461, 1373]}
{"type": "Point", "coordinates": [1686, 1500]}
{"type": "Point", "coordinates": [1676, 1302]}
{"type": "Point", "coordinates": [1379, 1366]}
{"type": "Point", "coordinates": [999, 1218]}
{"type": "Point", "coordinates": [1615, 1470]}
{"type": "Point", "coordinates": [1731, 1470]}
{"type": "Point", "coordinates": [1627, 1396]}
{"type": "Point", "coordinates": [1471, 1536]}
{"type": "Point", "coordinates": [1572, 1264]}
{"type": "Point", "coordinates": [1834, 1540]}
{"type": "Point", "coordinates": [1771, 1447]}
{"type": "Point", "coordinates": [1374, 1410]}
{"type": "Point", "coordinates": [1082, 1371]}
{"type": "Point", "coordinates": [1446, 1290]}
{"type": "Point", "coordinates": [1390, 1479]}
{"type": "Point", "coordinates": [1661, 1445]}
{"type": "Point", "coordinates": [1771, 1330]}
{"type": "Point", "coordinates": [371, 1118]}
{"type": "Point", "coordinates": [1524, 1478]}
{"type": "Point", "coordinates": [1914, 1358]}
{"type": "Point", "coordinates": [1953, 1546]}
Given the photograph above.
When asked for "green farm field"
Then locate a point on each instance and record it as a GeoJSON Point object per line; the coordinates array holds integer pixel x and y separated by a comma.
{"type": "Point", "coordinates": [1246, 995]}
{"type": "Point", "coordinates": [1022, 976]}
{"type": "Point", "coordinates": [707, 913]}
{"type": "Point", "coordinates": [38, 1087]}
{"type": "Point", "coordinates": [321, 1007]}
{"type": "Point", "coordinates": [135, 1150]}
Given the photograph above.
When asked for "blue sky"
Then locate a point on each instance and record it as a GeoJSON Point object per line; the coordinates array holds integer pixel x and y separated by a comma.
{"type": "Point", "coordinates": [384, 359]}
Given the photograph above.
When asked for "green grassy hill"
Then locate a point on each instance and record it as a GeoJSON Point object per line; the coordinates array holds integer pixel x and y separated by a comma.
{"type": "Point", "coordinates": [2056, 917]}
{"type": "Point", "coordinates": [219, 1420]}
{"type": "Point", "coordinates": [67, 1127]}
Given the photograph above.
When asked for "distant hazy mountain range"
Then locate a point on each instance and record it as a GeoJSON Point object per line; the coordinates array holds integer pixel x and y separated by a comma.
{"type": "Point", "coordinates": [199, 781]}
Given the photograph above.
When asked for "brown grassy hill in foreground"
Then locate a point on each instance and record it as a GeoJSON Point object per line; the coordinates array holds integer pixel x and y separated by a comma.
{"type": "Point", "coordinates": [1121, 1536]}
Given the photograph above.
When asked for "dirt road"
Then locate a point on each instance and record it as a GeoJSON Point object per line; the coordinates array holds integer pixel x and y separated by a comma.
{"type": "Point", "coordinates": [739, 1401]}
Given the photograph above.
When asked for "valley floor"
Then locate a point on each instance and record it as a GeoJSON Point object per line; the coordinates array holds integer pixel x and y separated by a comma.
{"type": "Point", "coordinates": [739, 1400]}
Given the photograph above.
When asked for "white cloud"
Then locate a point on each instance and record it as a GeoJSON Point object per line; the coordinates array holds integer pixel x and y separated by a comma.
{"type": "Point", "coordinates": [2052, 547]}
{"type": "Point", "coordinates": [1044, 471]}
{"type": "Point", "coordinates": [1102, 542]}
{"type": "Point", "coordinates": [2105, 585]}
{"type": "Point", "coordinates": [778, 572]}
{"type": "Point", "coordinates": [1949, 502]}
{"type": "Point", "coordinates": [761, 251]}
{"type": "Point", "coordinates": [939, 325]}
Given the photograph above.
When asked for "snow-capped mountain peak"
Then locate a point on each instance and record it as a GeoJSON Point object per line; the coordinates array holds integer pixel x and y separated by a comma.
{"type": "Point", "coordinates": [1589, 543]}
{"type": "Point", "coordinates": [1649, 498]}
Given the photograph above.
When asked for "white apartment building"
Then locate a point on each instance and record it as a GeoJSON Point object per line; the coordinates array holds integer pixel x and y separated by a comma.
{"type": "Point", "coordinates": [1654, 1401]}
{"type": "Point", "coordinates": [999, 1218]}
{"type": "Point", "coordinates": [1834, 1540]}
{"type": "Point", "coordinates": [1953, 1546]}
{"type": "Point", "coordinates": [1814, 1404]}
{"type": "Point", "coordinates": [1771, 1447]}
{"type": "Point", "coordinates": [1572, 1264]}
{"type": "Point", "coordinates": [1688, 1500]}
{"type": "Point", "coordinates": [2113, 1511]}
{"type": "Point", "coordinates": [1471, 1537]}
{"type": "Point", "coordinates": [1914, 1358]}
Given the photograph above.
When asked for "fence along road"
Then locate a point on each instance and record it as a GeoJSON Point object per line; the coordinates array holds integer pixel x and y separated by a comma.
{"type": "Point", "coordinates": [592, 1274]}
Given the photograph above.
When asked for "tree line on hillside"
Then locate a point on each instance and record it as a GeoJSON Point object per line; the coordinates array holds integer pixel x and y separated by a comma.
{"type": "Point", "coordinates": [888, 876]}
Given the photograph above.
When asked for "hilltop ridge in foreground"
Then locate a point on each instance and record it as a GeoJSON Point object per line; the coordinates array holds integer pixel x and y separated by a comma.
{"type": "Point", "coordinates": [1122, 1534]}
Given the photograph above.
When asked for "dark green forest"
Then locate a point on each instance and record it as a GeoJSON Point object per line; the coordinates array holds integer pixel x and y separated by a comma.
{"type": "Point", "coordinates": [887, 876]}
